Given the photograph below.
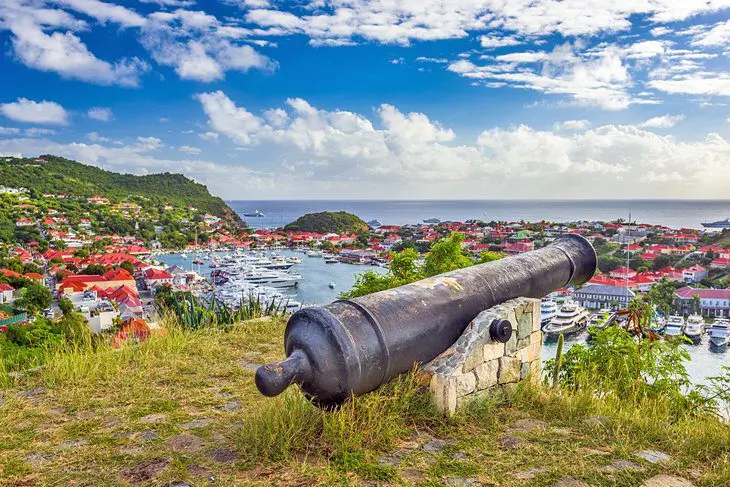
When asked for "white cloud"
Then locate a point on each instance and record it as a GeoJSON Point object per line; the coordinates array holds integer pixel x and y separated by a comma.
{"type": "Point", "coordinates": [102, 114]}
{"type": "Point", "coordinates": [29, 111]}
{"type": "Point", "coordinates": [703, 83]}
{"type": "Point", "coordinates": [4, 131]}
{"type": "Point", "coordinates": [95, 137]}
{"type": "Point", "coordinates": [38, 44]}
{"type": "Point", "coordinates": [571, 125]}
{"type": "Point", "coordinates": [189, 149]}
{"type": "Point", "coordinates": [718, 35]}
{"type": "Point", "coordinates": [399, 152]}
{"type": "Point", "coordinates": [208, 136]}
{"type": "Point", "coordinates": [398, 60]}
{"type": "Point", "coordinates": [170, 3]}
{"type": "Point", "coordinates": [38, 132]}
{"type": "Point", "coordinates": [401, 22]}
{"type": "Point", "coordinates": [663, 121]}
{"type": "Point", "coordinates": [493, 42]}
{"type": "Point", "coordinates": [105, 12]}
{"type": "Point", "coordinates": [198, 46]}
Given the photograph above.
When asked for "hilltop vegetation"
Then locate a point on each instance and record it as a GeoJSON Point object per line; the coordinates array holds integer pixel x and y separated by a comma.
{"type": "Point", "coordinates": [339, 222]}
{"type": "Point", "coordinates": [52, 174]}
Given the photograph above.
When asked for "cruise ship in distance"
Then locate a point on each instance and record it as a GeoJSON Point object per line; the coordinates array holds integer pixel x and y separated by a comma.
{"type": "Point", "coordinates": [718, 224]}
{"type": "Point", "coordinates": [255, 214]}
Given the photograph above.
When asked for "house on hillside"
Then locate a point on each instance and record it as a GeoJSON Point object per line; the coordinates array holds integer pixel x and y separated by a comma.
{"type": "Point", "coordinates": [601, 296]}
{"type": "Point", "coordinates": [694, 274]}
{"type": "Point", "coordinates": [713, 302]}
{"type": "Point", "coordinates": [7, 293]}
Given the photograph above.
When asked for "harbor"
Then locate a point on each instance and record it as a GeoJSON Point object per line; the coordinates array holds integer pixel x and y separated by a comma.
{"type": "Point", "coordinates": [321, 282]}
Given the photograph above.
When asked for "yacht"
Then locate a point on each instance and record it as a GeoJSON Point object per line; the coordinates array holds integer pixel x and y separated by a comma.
{"type": "Point", "coordinates": [694, 328]}
{"type": "Point", "coordinates": [432, 221]}
{"type": "Point", "coordinates": [570, 319]}
{"type": "Point", "coordinates": [314, 253]}
{"type": "Point", "coordinates": [718, 224]}
{"type": "Point", "coordinates": [658, 324]}
{"type": "Point", "coordinates": [330, 259]}
{"type": "Point", "coordinates": [720, 334]}
{"type": "Point", "coordinates": [548, 311]}
{"type": "Point", "coordinates": [255, 214]}
{"type": "Point", "coordinates": [183, 256]}
{"type": "Point", "coordinates": [674, 327]}
{"type": "Point", "coordinates": [375, 223]}
{"type": "Point", "coordinates": [294, 260]}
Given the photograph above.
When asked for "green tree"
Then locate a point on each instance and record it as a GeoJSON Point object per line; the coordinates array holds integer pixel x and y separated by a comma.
{"type": "Point", "coordinates": [127, 266]}
{"type": "Point", "coordinates": [34, 298]}
{"type": "Point", "coordinates": [485, 257]}
{"type": "Point", "coordinates": [66, 305]}
{"type": "Point", "coordinates": [95, 270]}
{"type": "Point", "coordinates": [446, 255]}
{"type": "Point", "coordinates": [661, 295]}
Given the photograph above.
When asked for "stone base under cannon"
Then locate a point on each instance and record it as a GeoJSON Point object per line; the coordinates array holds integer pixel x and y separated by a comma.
{"type": "Point", "coordinates": [475, 364]}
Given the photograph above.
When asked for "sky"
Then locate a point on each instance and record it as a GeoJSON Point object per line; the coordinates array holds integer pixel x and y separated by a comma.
{"type": "Point", "coordinates": [378, 99]}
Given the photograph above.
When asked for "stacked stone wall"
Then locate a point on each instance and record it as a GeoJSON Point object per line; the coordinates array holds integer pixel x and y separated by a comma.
{"type": "Point", "coordinates": [475, 364]}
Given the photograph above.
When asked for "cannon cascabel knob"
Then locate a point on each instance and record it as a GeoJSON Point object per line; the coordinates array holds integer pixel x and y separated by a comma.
{"type": "Point", "coordinates": [500, 330]}
{"type": "Point", "coordinates": [271, 379]}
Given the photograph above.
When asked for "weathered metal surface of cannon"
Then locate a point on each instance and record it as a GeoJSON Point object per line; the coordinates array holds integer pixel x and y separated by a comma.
{"type": "Point", "coordinates": [354, 346]}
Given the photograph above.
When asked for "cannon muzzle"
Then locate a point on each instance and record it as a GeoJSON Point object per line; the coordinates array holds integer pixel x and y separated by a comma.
{"type": "Point", "coordinates": [353, 346]}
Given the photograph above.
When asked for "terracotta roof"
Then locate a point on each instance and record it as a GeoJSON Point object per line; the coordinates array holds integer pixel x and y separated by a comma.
{"type": "Point", "coordinates": [688, 293]}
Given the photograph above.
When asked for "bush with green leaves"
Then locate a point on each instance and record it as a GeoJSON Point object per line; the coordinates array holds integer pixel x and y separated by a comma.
{"type": "Point", "coordinates": [445, 255]}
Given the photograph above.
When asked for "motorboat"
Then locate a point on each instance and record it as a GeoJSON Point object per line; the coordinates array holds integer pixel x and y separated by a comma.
{"type": "Point", "coordinates": [720, 334]}
{"type": "Point", "coordinates": [330, 259]}
{"type": "Point", "coordinates": [658, 324]}
{"type": "Point", "coordinates": [183, 256]}
{"type": "Point", "coordinates": [674, 327]}
{"type": "Point", "coordinates": [571, 319]}
{"type": "Point", "coordinates": [548, 310]}
{"type": "Point", "coordinates": [314, 253]}
{"type": "Point", "coordinates": [332, 284]}
{"type": "Point", "coordinates": [718, 224]}
{"type": "Point", "coordinates": [294, 260]}
{"type": "Point", "coordinates": [694, 328]}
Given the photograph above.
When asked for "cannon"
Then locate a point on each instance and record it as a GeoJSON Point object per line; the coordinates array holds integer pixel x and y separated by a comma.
{"type": "Point", "coordinates": [353, 346]}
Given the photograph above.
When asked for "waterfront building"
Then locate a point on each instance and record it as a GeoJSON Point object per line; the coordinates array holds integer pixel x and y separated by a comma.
{"type": "Point", "coordinates": [712, 302]}
{"type": "Point", "coordinates": [601, 296]}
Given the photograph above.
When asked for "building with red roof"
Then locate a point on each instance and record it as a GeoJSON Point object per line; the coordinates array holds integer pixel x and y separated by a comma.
{"type": "Point", "coordinates": [157, 277]}
{"type": "Point", "coordinates": [7, 293]}
{"type": "Point", "coordinates": [34, 276]}
{"type": "Point", "coordinates": [694, 274]}
{"type": "Point", "coordinates": [713, 302]}
{"type": "Point", "coordinates": [623, 273]}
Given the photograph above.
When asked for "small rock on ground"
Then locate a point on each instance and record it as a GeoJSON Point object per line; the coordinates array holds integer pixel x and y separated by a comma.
{"type": "Point", "coordinates": [413, 475]}
{"type": "Point", "coordinates": [231, 406]}
{"type": "Point", "coordinates": [154, 418]}
{"type": "Point", "coordinates": [144, 471]}
{"type": "Point", "coordinates": [570, 482]}
{"type": "Point", "coordinates": [512, 442]}
{"type": "Point", "coordinates": [31, 393]}
{"type": "Point", "coordinates": [459, 456]}
{"type": "Point", "coordinates": [461, 481]}
{"type": "Point", "coordinates": [198, 423]}
{"type": "Point", "coordinates": [72, 444]}
{"type": "Point", "coordinates": [185, 443]}
{"type": "Point", "coordinates": [147, 435]}
{"type": "Point", "coordinates": [434, 445]}
{"type": "Point", "coordinates": [37, 459]}
{"type": "Point", "coordinates": [667, 481]}
{"type": "Point", "coordinates": [201, 472]}
{"type": "Point", "coordinates": [528, 425]}
{"type": "Point", "coordinates": [619, 465]}
{"type": "Point", "coordinates": [223, 455]}
{"type": "Point", "coordinates": [653, 456]}
{"type": "Point", "coordinates": [529, 474]}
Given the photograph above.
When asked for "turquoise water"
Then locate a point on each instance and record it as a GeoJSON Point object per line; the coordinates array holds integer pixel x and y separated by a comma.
{"type": "Point", "coordinates": [313, 289]}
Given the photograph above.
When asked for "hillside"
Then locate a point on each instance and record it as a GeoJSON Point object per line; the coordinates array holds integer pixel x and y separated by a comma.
{"type": "Point", "coordinates": [183, 408]}
{"type": "Point", "coordinates": [58, 175]}
{"type": "Point", "coordinates": [328, 221]}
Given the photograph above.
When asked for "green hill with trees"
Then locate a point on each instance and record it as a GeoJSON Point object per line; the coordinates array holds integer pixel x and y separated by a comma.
{"type": "Point", "coordinates": [339, 222]}
{"type": "Point", "coordinates": [52, 174]}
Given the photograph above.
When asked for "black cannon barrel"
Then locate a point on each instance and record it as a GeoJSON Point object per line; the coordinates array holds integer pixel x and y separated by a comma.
{"type": "Point", "coordinates": [353, 346]}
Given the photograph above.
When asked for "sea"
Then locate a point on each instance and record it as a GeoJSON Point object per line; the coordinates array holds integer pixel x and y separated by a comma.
{"type": "Point", "coordinates": [314, 287]}
{"type": "Point", "coordinates": [672, 213]}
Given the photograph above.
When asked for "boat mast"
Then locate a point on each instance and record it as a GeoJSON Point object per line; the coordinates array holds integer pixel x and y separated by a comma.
{"type": "Point", "coordinates": [628, 260]}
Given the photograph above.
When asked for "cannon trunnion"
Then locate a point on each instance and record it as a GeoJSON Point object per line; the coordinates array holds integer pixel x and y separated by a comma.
{"type": "Point", "coordinates": [354, 346]}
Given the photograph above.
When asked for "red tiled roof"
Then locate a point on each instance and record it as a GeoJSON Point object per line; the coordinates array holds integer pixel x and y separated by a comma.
{"type": "Point", "coordinates": [688, 293]}
{"type": "Point", "coordinates": [6, 287]}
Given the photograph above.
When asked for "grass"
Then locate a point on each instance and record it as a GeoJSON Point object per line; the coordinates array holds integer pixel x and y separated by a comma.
{"type": "Point", "coordinates": [83, 418]}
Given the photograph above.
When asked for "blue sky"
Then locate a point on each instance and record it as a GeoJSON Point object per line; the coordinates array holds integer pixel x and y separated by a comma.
{"type": "Point", "coordinates": [378, 99]}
